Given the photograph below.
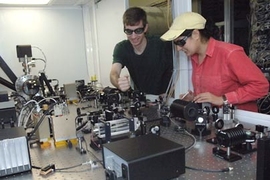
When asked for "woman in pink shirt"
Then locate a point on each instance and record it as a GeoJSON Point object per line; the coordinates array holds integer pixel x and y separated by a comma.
{"type": "Point", "coordinates": [221, 72]}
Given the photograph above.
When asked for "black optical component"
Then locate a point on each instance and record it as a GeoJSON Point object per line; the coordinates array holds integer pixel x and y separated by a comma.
{"type": "Point", "coordinates": [184, 109]}
{"type": "Point", "coordinates": [231, 137]}
{"type": "Point", "coordinates": [136, 31]}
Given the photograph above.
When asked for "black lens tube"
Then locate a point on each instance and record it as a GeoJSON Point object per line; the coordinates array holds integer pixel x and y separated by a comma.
{"type": "Point", "coordinates": [184, 109]}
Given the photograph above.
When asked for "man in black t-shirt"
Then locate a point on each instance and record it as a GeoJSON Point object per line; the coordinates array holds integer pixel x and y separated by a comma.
{"type": "Point", "coordinates": [147, 58]}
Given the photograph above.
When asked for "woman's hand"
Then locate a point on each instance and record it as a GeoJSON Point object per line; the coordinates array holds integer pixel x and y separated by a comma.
{"type": "Point", "coordinates": [188, 96]}
{"type": "Point", "coordinates": [210, 98]}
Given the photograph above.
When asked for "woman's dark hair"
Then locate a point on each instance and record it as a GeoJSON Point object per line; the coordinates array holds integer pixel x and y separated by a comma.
{"type": "Point", "coordinates": [134, 15]}
{"type": "Point", "coordinates": [210, 30]}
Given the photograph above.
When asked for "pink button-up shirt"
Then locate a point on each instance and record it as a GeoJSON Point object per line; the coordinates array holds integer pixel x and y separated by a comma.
{"type": "Point", "coordinates": [227, 70]}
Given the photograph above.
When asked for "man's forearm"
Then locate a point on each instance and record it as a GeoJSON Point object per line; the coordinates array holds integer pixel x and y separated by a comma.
{"type": "Point", "coordinates": [114, 80]}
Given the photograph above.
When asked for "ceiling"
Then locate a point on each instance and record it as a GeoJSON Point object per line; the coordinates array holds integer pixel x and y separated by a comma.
{"type": "Point", "coordinates": [159, 3]}
{"type": "Point", "coordinates": [68, 2]}
{"type": "Point", "coordinates": [59, 3]}
{"type": "Point", "coordinates": [83, 2]}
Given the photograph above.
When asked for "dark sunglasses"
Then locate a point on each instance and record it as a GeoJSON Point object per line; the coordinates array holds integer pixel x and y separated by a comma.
{"type": "Point", "coordinates": [182, 42]}
{"type": "Point", "coordinates": [136, 31]}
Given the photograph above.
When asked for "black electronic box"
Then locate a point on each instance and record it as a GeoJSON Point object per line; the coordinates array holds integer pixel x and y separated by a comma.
{"type": "Point", "coordinates": [145, 157]}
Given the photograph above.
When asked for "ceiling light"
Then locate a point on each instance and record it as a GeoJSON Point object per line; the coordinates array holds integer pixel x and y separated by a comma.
{"type": "Point", "coordinates": [24, 1]}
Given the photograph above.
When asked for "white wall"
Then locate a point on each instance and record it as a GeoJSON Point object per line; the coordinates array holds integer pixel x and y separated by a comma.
{"type": "Point", "coordinates": [106, 29]}
{"type": "Point", "coordinates": [182, 64]}
{"type": "Point", "coordinates": [58, 32]}
{"type": "Point", "coordinates": [78, 42]}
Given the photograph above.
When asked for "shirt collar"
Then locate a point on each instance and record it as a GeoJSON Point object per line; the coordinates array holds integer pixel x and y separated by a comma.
{"type": "Point", "coordinates": [209, 50]}
{"type": "Point", "coordinates": [210, 47]}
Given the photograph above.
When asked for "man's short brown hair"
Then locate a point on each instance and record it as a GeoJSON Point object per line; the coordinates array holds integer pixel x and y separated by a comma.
{"type": "Point", "coordinates": [133, 16]}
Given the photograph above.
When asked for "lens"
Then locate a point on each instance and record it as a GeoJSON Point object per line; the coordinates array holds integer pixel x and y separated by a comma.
{"type": "Point", "coordinates": [139, 31]}
{"type": "Point", "coordinates": [182, 42]}
{"type": "Point", "coordinates": [136, 31]}
{"type": "Point", "coordinates": [128, 31]}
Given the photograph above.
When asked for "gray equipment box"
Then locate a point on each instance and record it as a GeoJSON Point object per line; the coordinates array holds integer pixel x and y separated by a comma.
{"type": "Point", "coordinates": [145, 157]}
{"type": "Point", "coordinates": [14, 152]}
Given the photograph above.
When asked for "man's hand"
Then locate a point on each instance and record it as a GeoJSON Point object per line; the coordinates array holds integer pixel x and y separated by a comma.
{"type": "Point", "coordinates": [123, 83]}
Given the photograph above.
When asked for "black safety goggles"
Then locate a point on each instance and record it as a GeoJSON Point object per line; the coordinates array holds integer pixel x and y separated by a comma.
{"type": "Point", "coordinates": [136, 31]}
{"type": "Point", "coordinates": [182, 42]}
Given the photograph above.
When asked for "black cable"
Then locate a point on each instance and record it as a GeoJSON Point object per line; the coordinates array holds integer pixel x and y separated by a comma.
{"type": "Point", "coordinates": [36, 167]}
{"type": "Point", "coordinates": [184, 132]}
{"type": "Point", "coordinates": [70, 167]}
{"type": "Point", "coordinates": [192, 137]}
{"type": "Point", "coordinates": [264, 105]}
{"type": "Point", "coordinates": [18, 95]}
{"type": "Point", "coordinates": [209, 170]}
{"type": "Point", "coordinates": [86, 145]}
{"type": "Point", "coordinates": [47, 112]}
{"type": "Point", "coordinates": [93, 155]}
{"type": "Point", "coordinates": [81, 126]}
{"type": "Point", "coordinates": [75, 171]}
{"type": "Point", "coordinates": [61, 169]}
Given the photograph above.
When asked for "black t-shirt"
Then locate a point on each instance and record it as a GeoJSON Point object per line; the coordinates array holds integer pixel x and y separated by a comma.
{"type": "Point", "coordinates": [151, 71]}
